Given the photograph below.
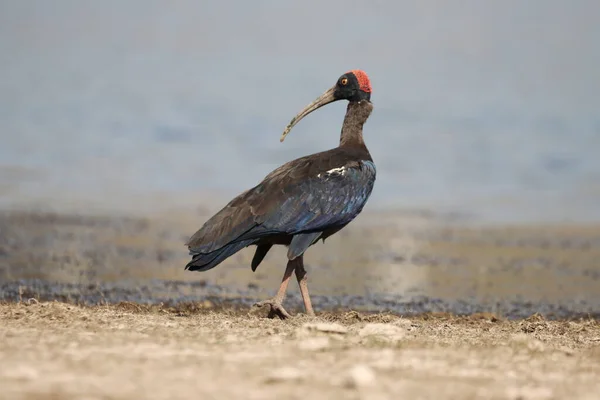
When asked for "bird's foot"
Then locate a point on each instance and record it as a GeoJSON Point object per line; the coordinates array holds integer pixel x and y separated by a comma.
{"type": "Point", "coordinates": [275, 308]}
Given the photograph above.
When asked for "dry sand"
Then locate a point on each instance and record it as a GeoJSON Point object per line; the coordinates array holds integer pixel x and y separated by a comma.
{"type": "Point", "coordinates": [127, 351]}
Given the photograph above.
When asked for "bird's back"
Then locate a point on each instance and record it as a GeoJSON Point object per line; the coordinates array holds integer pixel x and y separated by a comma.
{"type": "Point", "coordinates": [308, 194]}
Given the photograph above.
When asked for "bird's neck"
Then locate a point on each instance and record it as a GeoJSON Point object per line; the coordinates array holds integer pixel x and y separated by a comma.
{"type": "Point", "coordinates": [352, 129]}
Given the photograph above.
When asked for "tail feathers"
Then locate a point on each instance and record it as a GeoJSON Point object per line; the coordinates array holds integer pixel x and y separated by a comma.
{"type": "Point", "coordinates": [206, 261]}
{"type": "Point", "coordinates": [259, 255]}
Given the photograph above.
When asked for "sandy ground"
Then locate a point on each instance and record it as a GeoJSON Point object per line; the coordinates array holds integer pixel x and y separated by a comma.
{"type": "Point", "coordinates": [60, 351]}
{"type": "Point", "coordinates": [195, 336]}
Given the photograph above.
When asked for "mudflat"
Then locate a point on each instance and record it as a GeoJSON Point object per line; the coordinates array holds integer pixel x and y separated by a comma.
{"type": "Point", "coordinates": [406, 263]}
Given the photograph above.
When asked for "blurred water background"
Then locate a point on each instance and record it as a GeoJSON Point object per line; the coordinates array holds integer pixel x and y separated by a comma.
{"type": "Point", "coordinates": [486, 108]}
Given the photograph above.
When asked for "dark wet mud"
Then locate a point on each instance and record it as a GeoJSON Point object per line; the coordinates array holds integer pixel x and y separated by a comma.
{"type": "Point", "coordinates": [404, 266]}
{"type": "Point", "coordinates": [173, 293]}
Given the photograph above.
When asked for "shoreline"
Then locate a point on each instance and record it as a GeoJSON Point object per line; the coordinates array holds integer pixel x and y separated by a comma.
{"type": "Point", "coordinates": [403, 263]}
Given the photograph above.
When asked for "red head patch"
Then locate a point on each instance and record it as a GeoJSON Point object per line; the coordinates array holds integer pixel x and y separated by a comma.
{"type": "Point", "coordinates": [363, 80]}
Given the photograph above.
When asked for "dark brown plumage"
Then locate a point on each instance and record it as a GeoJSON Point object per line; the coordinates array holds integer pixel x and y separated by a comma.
{"type": "Point", "coordinates": [302, 201]}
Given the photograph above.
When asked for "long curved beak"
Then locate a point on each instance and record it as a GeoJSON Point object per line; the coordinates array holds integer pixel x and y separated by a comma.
{"type": "Point", "coordinates": [319, 102]}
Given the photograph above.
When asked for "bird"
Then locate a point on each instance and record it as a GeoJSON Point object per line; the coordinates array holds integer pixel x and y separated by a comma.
{"type": "Point", "coordinates": [302, 201]}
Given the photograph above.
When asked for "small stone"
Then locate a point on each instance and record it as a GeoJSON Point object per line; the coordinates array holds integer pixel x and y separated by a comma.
{"type": "Point", "coordinates": [325, 327]}
{"type": "Point", "coordinates": [361, 376]}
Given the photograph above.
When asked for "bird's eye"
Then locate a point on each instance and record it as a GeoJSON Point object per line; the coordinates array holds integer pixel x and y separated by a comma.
{"type": "Point", "coordinates": [344, 81]}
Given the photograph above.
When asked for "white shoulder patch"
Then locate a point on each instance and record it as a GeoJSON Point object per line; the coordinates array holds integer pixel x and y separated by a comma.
{"type": "Point", "coordinates": [339, 170]}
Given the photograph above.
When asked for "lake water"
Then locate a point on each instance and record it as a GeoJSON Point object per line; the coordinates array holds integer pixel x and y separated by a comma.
{"type": "Point", "coordinates": [487, 108]}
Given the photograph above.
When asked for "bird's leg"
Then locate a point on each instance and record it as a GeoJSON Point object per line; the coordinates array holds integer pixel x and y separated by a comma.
{"type": "Point", "coordinates": [275, 303]}
{"type": "Point", "coordinates": [302, 282]}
